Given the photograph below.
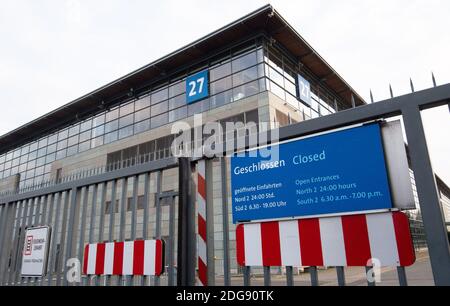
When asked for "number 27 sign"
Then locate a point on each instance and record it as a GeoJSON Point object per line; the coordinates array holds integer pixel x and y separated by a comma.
{"type": "Point", "coordinates": [197, 87]}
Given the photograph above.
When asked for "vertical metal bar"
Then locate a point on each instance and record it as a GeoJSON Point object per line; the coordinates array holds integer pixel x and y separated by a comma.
{"type": "Point", "coordinates": [44, 221]}
{"type": "Point", "coordinates": [16, 245]}
{"type": "Point", "coordinates": [112, 213]}
{"type": "Point", "coordinates": [49, 222]}
{"type": "Point", "coordinates": [436, 231]}
{"type": "Point", "coordinates": [225, 223]}
{"type": "Point", "coordinates": [101, 226]}
{"type": "Point", "coordinates": [4, 260]}
{"type": "Point", "coordinates": [123, 209]}
{"type": "Point", "coordinates": [71, 230]}
{"type": "Point", "coordinates": [36, 222]}
{"type": "Point", "coordinates": [3, 234]}
{"type": "Point", "coordinates": [267, 278]}
{"type": "Point", "coordinates": [171, 243]}
{"type": "Point", "coordinates": [145, 279]}
{"type": "Point", "coordinates": [340, 276]}
{"type": "Point", "coordinates": [32, 213]}
{"type": "Point", "coordinates": [134, 216]}
{"type": "Point", "coordinates": [314, 276]}
{"type": "Point", "coordinates": [55, 230]}
{"type": "Point", "coordinates": [289, 277]}
{"type": "Point", "coordinates": [402, 279]}
{"type": "Point", "coordinates": [158, 213]}
{"type": "Point", "coordinates": [247, 276]}
{"type": "Point", "coordinates": [186, 225]}
{"type": "Point", "coordinates": [83, 216]}
{"type": "Point", "coordinates": [27, 211]}
{"type": "Point", "coordinates": [92, 223]}
{"type": "Point", "coordinates": [62, 242]}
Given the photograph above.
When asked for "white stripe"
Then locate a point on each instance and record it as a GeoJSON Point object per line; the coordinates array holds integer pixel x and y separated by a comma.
{"type": "Point", "coordinates": [128, 251]}
{"type": "Point", "coordinates": [109, 258]}
{"type": "Point", "coordinates": [383, 244]}
{"type": "Point", "coordinates": [149, 257]}
{"type": "Point", "coordinates": [92, 258]}
{"type": "Point", "coordinates": [201, 249]}
{"type": "Point", "coordinates": [333, 246]}
{"type": "Point", "coordinates": [201, 206]}
{"type": "Point", "coordinates": [290, 244]}
{"type": "Point", "coordinates": [201, 167]}
{"type": "Point", "coordinates": [253, 245]}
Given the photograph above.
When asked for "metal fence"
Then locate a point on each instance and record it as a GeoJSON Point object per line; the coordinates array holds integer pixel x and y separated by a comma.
{"type": "Point", "coordinates": [153, 199]}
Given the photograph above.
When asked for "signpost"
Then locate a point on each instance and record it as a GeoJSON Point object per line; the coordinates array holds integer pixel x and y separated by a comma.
{"type": "Point", "coordinates": [35, 251]}
{"type": "Point", "coordinates": [335, 173]}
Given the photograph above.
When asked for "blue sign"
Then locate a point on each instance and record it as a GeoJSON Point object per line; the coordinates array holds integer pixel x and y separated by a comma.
{"type": "Point", "coordinates": [339, 172]}
{"type": "Point", "coordinates": [197, 87]}
{"type": "Point", "coordinates": [304, 90]}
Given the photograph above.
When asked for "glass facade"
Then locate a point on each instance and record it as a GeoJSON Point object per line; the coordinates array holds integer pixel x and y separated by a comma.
{"type": "Point", "coordinates": [235, 74]}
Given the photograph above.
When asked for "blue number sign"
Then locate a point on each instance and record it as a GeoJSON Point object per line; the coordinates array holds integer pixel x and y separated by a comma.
{"type": "Point", "coordinates": [304, 90]}
{"type": "Point", "coordinates": [197, 87]}
{"type": "Point", "coordinates": [338, 172]}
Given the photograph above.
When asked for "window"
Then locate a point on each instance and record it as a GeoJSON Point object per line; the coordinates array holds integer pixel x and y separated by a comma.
{"type": "Point", "coordinates": [126, 121]}
{"type": "Point", "coordinates": [220, 71]}
{"type": "Point", "coordinates": [221, 85]}
{"type": "Point", "coordinates": [85, 136]}
{"type": "Point", "coordinates": [177, 89]}
{"type": "Point", "coordinates": [142, 103]}
{"type": "Point", "coordinates": [74, 130]}
{"type": "Point", "coordinates": [244, 62]}
{"type": "Point", "coordinates": [99, 120]}
{"type": "Point", "coordinates": [112, 114]}
{"type": "Point", "coordinates": [159, 108]}
{"type": "Point", "coordinates": [177, 101]}
{"type": "Point", "coordinates": [221, 99]}
{"type": "Point", "coordinates": [178, 113]}
{"type": "Point", "coordinates": [245, 76]}
{"type": "Point", "coordinates": [126, 109]}
{"type": "Point", "coordinates": [198, 107]}
{"type": "Point", "coordinates": [126, 132]}
{"type": "Point", "coordinates": [72, 141]}
{"type": "Point", "coordinates": [142, 115]}
{"type": "Point", "coordinates": [87, 125]}
{"type": "Point", "coordinates": [159, 96]}
{"type": "Point", "coordinates": [110, 137]}
{"type": "Point", "coordinates": [246, 90]}
{"type": "Point", "coordinates": [96, 142]}
{"type": "Point", "coordinates": [141, 126]}
{"type": "Point", "coordinates": [61, 135]}
{"type": "Point", "coordinates": [84, 146]}
{"type": "Point", "coordinates": [159, 120]}
{"type": "Point", "coordinates": [99, 130]}
{"type": "Point", "coordinates": [111, 126]}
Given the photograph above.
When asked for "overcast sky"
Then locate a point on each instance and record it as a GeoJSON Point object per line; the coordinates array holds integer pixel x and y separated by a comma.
{"type": "Point", "coordinates": [54, 51]}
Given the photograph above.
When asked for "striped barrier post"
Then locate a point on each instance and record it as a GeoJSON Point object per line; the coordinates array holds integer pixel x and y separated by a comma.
{"type": "Point", "coordinates": [201, 219]}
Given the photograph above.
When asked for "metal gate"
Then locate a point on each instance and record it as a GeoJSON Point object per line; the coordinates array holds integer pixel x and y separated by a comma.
{"type": "Point", "coordinates": [145, 201]}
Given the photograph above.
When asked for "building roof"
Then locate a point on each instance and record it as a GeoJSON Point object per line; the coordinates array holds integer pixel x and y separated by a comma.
{"type": "Point", "coordinates": [265, 19]}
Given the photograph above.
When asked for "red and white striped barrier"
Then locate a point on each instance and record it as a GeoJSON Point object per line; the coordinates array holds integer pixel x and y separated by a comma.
{"type": "Point", "coordinates": [335, 241]}
{"type": "Point", "coordinates": [201, 210]}
{"type": "Point", "coordinates": [140, 257]}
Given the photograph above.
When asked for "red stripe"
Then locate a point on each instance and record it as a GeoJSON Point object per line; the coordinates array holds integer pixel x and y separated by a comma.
{"type": "Point", "coordinates": [118, 258]}
{"type": "Point", "coordinates": [202, 227]}
{"type": "Point", "coordinates": [100, 260]}
{"type": "Point", "coordinates": [85, 260]}
{"type": "Point", "coordinates": [202, 269]}
{"type": "Point", "coordinates": [202, 186]}
{"type": "Point", "coordinates": [159, 257]}
{"type": "Point", "coordinates": [138, 257]}
{"type": "Point", "coordinates": [240, 245]}
{"type": "Point", "coordinates": [310, 242]}
{"type": "Point", "coordinates": [356, 239]}
{"type": "Point", "coordinates": [405, 246]}
{"type": "Point", "coordinates": [270, 240]}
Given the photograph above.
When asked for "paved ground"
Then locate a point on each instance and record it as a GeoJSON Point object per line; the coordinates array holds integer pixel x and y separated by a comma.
{"type": "Point", "coordinates": [418, 275]}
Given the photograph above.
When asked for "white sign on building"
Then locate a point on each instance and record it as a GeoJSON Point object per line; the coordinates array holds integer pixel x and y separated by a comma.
{"type": "Point", "coordinates": [35, 251]}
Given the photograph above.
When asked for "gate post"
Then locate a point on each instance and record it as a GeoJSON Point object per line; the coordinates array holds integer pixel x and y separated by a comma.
{"type": "Point", "coordinates": [433, 220]}
{"type": "Point", "coordinates": [186, 225]}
